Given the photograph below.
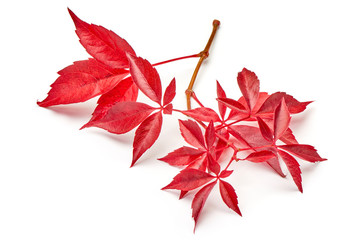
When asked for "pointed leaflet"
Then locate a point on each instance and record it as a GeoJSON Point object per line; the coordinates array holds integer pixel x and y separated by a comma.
{"type": "Point", "coordinates": [212, 164]}
{"type": "Point", "coordinates": [274, 99]}
{"type": "Point", "coordinates": [293, 167]}
{"type": "Point", "coordinates": [281, 119]}
{"type": "Point", "coordinates": [275, 164]}
{"type": "Point", "coordinates": [182, 156]}
{"type": "Point", "coordinates": [221, 94]}
{"type": "Point", "coordinates": [261, 156]}
{"type": "Point", "coordinates": [170, 92]}
{"type": "Point", "coordinates": [104, 45]}
{"type": "Point", "coordinates": [210, 135]}
{"type": "Point", "coordinates": [229, 196]}
{"type": "Point", "coordinates": [305, 152]}
{"type": "Point", "coordinates": [122, 117]}
{"type": "Point", "coordinates": [192, 134]}
{"type": "Point", "coordinates": [265, 130]}
{"type": "Point", "coordinates": [234, 115]}
{"type": "Point", "coordinates": [81, 81]}
{"type": "Point", "coordinates": [249, 85]}
{"type": "Point", "coordinates": [202, 114]}
{"type": "Point", "coordinates": [189, 179]}
{"type": "Point", "coordinates": [225, 173]}
{"type": "Point", "coordinates": [232, 104]}
{"type": "Point", "coordinates": [146, 135]}
{"type": "Point", "coordinates": [146, 77]}
{"type": "Point", "coordinates": [199, 201]}
{"type": "Point", "coordinates": [126, 90]}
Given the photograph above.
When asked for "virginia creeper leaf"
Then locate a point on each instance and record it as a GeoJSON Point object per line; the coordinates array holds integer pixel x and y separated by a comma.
{"type": "Point", "coordinates": [261, 156]}
{"type": "Point", "coordinates": [81, 81]}
{"type": "Point", "coordinates": [192, 134]}
{"type": "Point", "coordinates": [232, 104]}
{"type": "Point", "coordinates": [122, 117]}
{"type": "Point", "coordinates": [305, 152]}
{"type": "Point", "coordinates": [281, 119]}
{"type": "Point", "coordinates": [199, 201]}
{"type": "Point", "coordinates": [226, 173]}
{"type": "Point", "coordinates": [189, 179]}
{"type": "Point", "coordinates": [146, 78]}
{"type": "Point", "coordinates": [104, 45]}
{"type": "Point", "coordinates": [170, 92]}
{"type": "Point", "coordinates": [229, 196]}
{"type": "Point", "coordinates": [265, 130]}
{"type": "Point", "coordinates": [202, 114]}
{"type": "Point", "coordinates": [182, 156]}
{"type": "Point", "coordinates": [221, 94]}
{"type": "Point", "coordinates": [293, 167]}
{"type": "Point", "coordinates": [210, 135]}
{"type": "Point", "coordinates": [249, 85]}
{"type": "Point", "coordinates": [213, 165]}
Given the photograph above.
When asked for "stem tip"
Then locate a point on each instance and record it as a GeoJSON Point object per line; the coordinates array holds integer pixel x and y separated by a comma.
{"type": "Point", "coordinates": [216, 23]}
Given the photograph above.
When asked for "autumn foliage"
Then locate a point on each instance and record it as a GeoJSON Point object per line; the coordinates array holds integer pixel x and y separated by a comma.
{"type": "Point", "coordinates": [254, 127]}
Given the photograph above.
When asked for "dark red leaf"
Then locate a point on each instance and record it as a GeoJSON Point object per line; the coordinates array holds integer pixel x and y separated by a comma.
{"type": "Point", "coordinates": [202, 114]}
{"type": "Point", "coordinates": [281, 120]}
{"type": "Point", "coordinates": [146, 78]}
{"type": "Point", "coordinates": [232, 104]}
{"type": "Point", "coordinates": [182, 156]}
{"type": "Point", "coordinates": [265, 130]}
{"type": "Point", "coordinates": [192, 134]}
{"type": "Point", "coordinates": [261, 156]}
{"type": "Point", "coordinates": [199, 201]}
{"type": "Point", "coordinates": [249, 85]}
{"type": "Point", "coordinates": [229, 196]}
{"type": "Point", "coordinates": [146, 135]}
{"type": "Point", "coordinates": [170, 92]}
{"type": "Point", "coordinates": [221, 94]}
{"type": "Point", "coordinates": [274, 99]}
{"type": "Point", "coordinates": [124, 91]}
{"type": "Point", "coordinates": [103, 44]}
{"type": "Point", "coordinates": [225, 173]}
{"type": "Point", "coordinates": [122, 117]}
{"type": "Point", "coordinates": [189, 179]}
{"type": "Point", "coordinates": [293, 167]}
{"type": "Point", "coordinates": [210, 135]}
{"type": "Point", "coordinates": [81, 81]}
{"type": "Point", "coordinates": [305, 152]}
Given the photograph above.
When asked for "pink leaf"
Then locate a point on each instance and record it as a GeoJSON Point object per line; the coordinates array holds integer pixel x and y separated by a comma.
{"type": "Point", "coordinates": [122, 117]}
{"type": "Point", "coordinates": [202, 114]}
{"type": "Point", "coordinates": [146, 135]}
{"type": "Point", "coordinates": [261, 156]}
{"type": "Point", "coordinates": [146, 77]}
{"type": "Point", "coordinates": [229, 196]}
{"type": "Point", "coordinates": [221, 94]}
{"type": "Point", "coordinates": [192, 134]}
{"type": "Point", "coordinates": [170, 92]}
{"type": "Point", "coordinates": [305, 152]}
{"type": "Point", "coordinates": [199, 201]}
{"type": "Point", "coordinates": [189, 179]}
{"type": "Point", "coordinates": [249, 85]}
{"type": "Point", "coordinates": [265, 130]}
{"type": "Point", "coordinates": [293, 167]}
{"type": "Point", "coordinates": [102, 44]}
{"type": "Point", "coordinates": [82, 81]}
{"type": "Point", "coordinates": [281, 119]}
{"type": "Point", "coordinates": [182, 156]}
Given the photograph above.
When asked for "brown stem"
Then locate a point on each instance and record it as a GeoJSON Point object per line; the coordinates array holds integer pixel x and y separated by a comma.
{"type": "Point", "coordinates": [203, 55]}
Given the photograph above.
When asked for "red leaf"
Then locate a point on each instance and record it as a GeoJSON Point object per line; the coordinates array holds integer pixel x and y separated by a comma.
{"type": "Point", "coordinates": [229, 196]}
{"type": "Point", "coordinates": [182, 194]}
{"type": "Point", "coordinates": [102, 44]}
{"type": "Point", "coordinates": [192, 134]}
{"type": "Point", "coordinates": [234, 115]}
{"type": "Point", "coordinates": [122, 117]}
{"type": "Point", "coordinates": [170, 92]}
{"type": "Point", "coordinates": [200, 163]}
{"type": "Point", "coordinates": [189, 179]}
{"type": "Point", "coordinates": [238, 136]}
{"type": "Point", "coordinates": [182, 156]}
{"type": "Point", "coordinates": [168, 109]}
{"type": "Point", "coordinates": [261, 156]}
{"type": "Point", "coordinates": [288, 137]}
{"type": "Point", "coordinates": [233, 104]}
{"type": "Point", "coordinates": [221, 94]}
{"type": "Point", "coordinates": [249, 85]}
{"type": "Point", "coordinates": [294, 168]}
{"type": "Point", "coordinates": [275, 164]}
{"type": "Point", "coordinates": [202, 114]}
{"type": "Point", "coordinates": [199, 201]}
{"type": "Point", "coordinates": [305, 152]}
{"type": "Point", "coordinates": [146, 135]}
{"type": "Point", "coordinates": [265, 130]}
{"type": "Point", "coordinates": [274, 99]}
{"type": "Point", "coordinates": [146, 77]}
{"type": "Point", "coordinates": [126, 90]}
{"type": "Point", "coordinates": [81, 81]}
{"type": "Point", "coordinates": [221, 144]}
{"type": "Point", "coordinates": [210, 135]}
{"type": "Point", "coordinates": [281, 120]}
{"type": "Point", "coordinates": [225, 173]}
{"type": "Point", "coordinates": [251, 135]}
{"type": "Point", "coordinates": [213, 165]}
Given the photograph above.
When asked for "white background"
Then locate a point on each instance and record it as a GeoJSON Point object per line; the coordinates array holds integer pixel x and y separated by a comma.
{"type": "Point", "coordinates": [57, 182]}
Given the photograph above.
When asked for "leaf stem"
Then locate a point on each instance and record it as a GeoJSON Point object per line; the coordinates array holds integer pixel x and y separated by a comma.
{"type": "Point", "coordinates": [176, 59]}
{"type": "Point", "coordinates": [203, 55]}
